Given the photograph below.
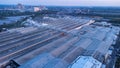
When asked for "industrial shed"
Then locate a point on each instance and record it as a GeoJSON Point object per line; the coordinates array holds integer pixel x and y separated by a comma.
{"type": "Point", "coordinates": [45, 47]}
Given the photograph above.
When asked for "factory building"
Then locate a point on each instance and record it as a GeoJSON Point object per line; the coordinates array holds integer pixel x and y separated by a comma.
{"type": "Point", "coordinates": [68, 42]}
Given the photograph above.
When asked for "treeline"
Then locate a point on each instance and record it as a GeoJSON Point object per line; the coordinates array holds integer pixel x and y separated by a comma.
{"type": "Point", "coordinates": [111, 18]}
{"type": "Point", "coordinates": [115, 20]}
{"type": "Point", "coordinates": [6, 13]}
{"type": "Point", "coordinates": [117, 64]}
{"type": "Point", "coordinates": [17, 24]}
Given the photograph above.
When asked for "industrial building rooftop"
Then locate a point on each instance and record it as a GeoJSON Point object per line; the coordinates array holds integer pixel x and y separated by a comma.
{"type": "Point", "coordinates": [58, 43]}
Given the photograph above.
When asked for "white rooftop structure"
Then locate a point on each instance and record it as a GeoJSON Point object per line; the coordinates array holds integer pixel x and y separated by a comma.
{"type": "Point", "coordinates": [86, 62]}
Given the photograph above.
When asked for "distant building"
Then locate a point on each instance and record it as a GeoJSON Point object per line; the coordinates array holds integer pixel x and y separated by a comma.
{"type": "Point", "coordinates": [20, 7]}
{"type": "Point", "coordinates": [39, 8]}
{"type": "Point", "coordinates": [43, 8]}
{"type": "Point", "coordinates": [36, 9]}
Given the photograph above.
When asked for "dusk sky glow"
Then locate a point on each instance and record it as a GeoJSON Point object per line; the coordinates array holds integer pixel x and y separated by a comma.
{"type": "Point", "coordinates": [64, 2]}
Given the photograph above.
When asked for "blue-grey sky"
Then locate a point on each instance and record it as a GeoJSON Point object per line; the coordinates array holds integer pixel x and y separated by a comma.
{"type": "Point", "coordinates": [65, 2]}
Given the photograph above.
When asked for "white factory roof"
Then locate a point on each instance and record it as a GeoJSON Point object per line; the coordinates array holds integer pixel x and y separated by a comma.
{"type": "Point", "coordinates": [86, 62]}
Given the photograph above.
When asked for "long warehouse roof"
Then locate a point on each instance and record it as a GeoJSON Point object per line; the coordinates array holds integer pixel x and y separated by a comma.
{"type": "Point", "coordinates": [41, 47]}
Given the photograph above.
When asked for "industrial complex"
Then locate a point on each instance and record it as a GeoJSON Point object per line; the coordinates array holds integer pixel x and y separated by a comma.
{"type": "Point", "coordinates": [62, 42]}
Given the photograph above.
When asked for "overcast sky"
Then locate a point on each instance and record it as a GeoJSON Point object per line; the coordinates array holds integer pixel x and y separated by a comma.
{"type": "Point", "coordinates": [65, 2]}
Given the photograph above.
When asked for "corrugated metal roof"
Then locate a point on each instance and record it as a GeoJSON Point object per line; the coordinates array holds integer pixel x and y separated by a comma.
{"type": "Point", "coordinates": [54, 48]}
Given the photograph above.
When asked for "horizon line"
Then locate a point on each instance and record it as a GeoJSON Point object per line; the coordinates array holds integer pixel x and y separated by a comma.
{"type": "Point", "coordinates": [62, 5]}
